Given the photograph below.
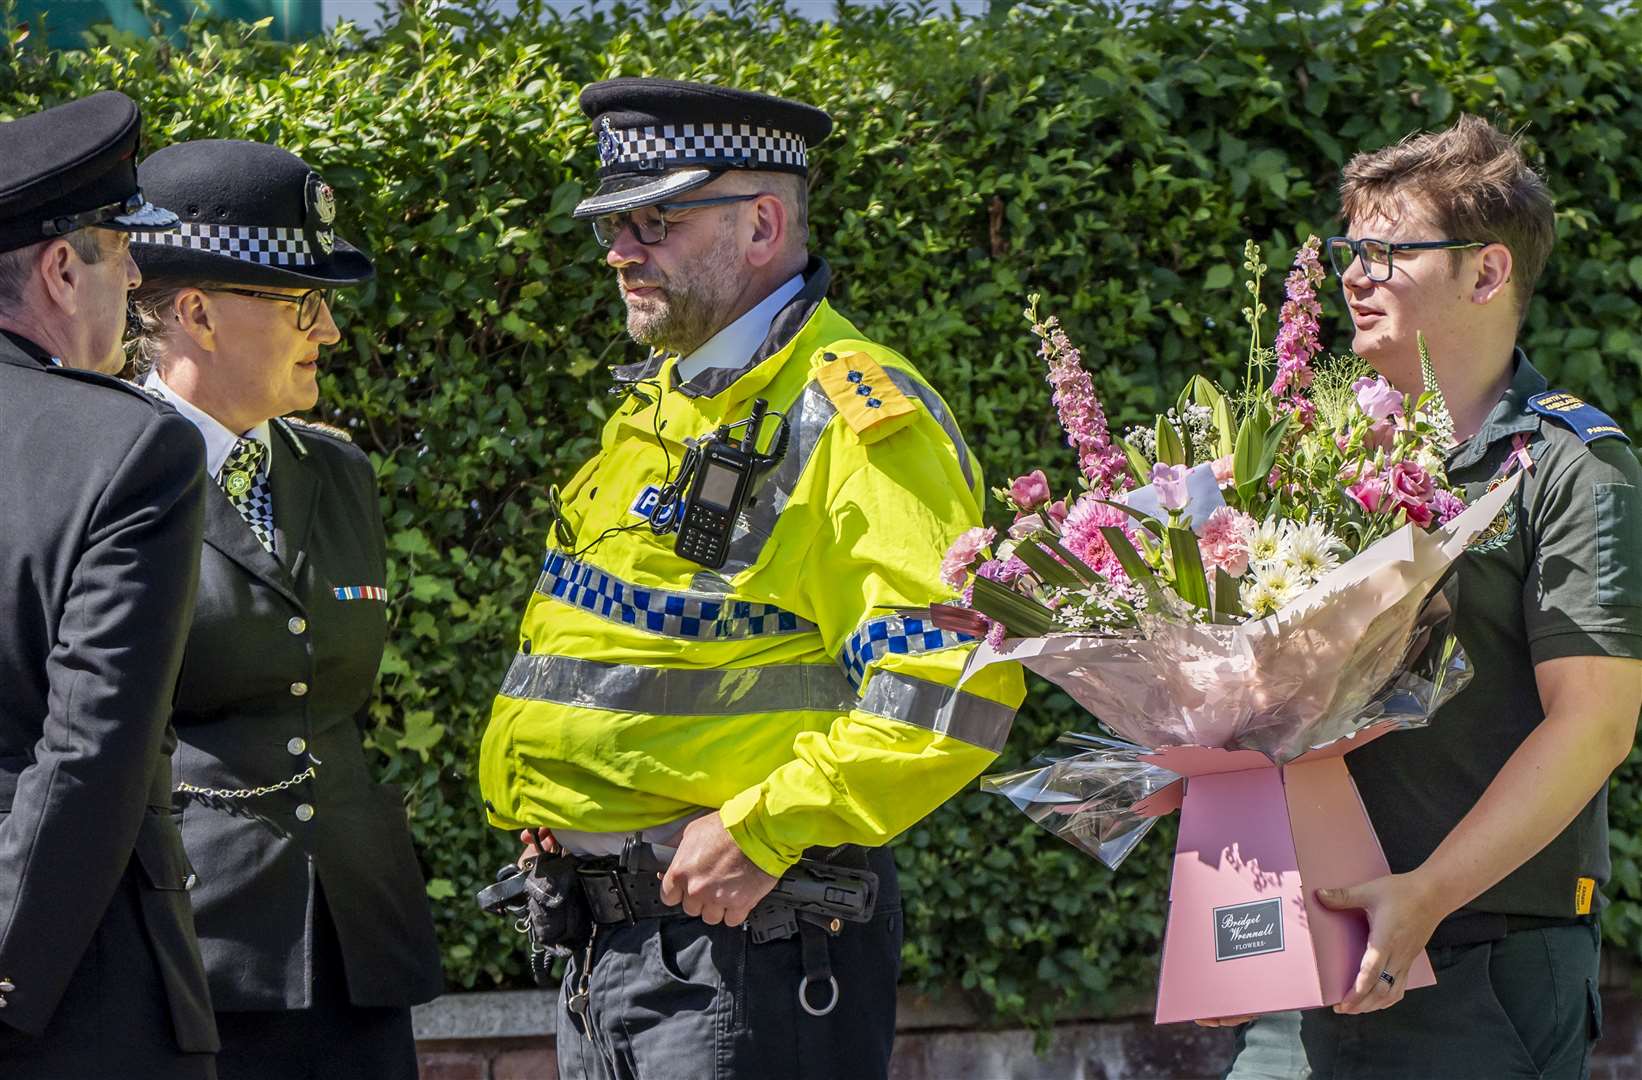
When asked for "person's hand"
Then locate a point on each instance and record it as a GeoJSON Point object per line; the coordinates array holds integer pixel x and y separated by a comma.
{"type": "Point", "coordinates": [711, 877]}
{"type": "Point", "coordinates": [1224, 1021]}
{"type": "Point", "coordinates": [536, 841]}
{"type": "Point", "coordinates": [1401, 918]}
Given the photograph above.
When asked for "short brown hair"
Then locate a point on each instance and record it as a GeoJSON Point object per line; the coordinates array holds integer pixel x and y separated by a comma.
{"type": "Point", "coordinates": [16, 267]}
{"type": "Point", "coordinates": [1475, 182]}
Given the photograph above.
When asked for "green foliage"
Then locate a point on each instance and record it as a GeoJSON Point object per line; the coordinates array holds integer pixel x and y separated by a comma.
{"type": "Point", "coordinates": [1113, 159]}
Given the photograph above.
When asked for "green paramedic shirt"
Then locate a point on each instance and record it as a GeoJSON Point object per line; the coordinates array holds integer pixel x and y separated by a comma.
{"type": "Point", "coordinates": [1560, 575]}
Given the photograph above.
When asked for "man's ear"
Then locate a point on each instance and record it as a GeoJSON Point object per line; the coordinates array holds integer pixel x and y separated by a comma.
{"type": "Point", "coordinates": [61, 274]}
{"type": "Point", "coordinates": [1493, 275]}
{"type": "Point", "coordinates": [770, 224]}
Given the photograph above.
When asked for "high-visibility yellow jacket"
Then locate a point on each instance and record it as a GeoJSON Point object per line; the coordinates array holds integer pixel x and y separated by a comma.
{"type": "Point", "coordinates": [798, 690]}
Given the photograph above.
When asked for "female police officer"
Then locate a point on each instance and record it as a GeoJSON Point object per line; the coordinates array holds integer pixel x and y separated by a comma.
{"type": "Point", "coordinates": [312, 915]}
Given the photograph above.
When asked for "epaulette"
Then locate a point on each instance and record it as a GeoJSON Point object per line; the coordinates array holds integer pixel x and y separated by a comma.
{"type": "Point", "coordinates": [1587, 421]}
{"type": "Point", "coordinates": [862, 392]}
{"type": "Point", "coordinates": [317, 427]}
{"type": "Point", "coordinates": [99, 379]}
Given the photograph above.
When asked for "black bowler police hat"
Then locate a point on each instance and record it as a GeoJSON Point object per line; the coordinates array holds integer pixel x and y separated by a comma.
{"type": "Point", "coordinates": [659, 138]}
{"type": "Point", "coordinates": [71, 167]}
{"type": "Point", "coordinates": [252, 214]}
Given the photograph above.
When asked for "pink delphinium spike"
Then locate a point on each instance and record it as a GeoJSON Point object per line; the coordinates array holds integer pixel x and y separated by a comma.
{"type": "Point", "coordinates": [1102, 463]}
{"type": "Point", "coordinates": [1299, 331]}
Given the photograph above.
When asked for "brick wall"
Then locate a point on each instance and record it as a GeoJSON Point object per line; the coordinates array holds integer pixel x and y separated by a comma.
{"type": "Point", "coordinates": [505, 1036]}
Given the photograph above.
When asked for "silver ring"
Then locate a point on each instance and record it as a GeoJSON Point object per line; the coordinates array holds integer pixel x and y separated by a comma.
{"type": "Point", "coordinates": [1389, 979]}
{"type": "Point", "coordinates": [804, 999]}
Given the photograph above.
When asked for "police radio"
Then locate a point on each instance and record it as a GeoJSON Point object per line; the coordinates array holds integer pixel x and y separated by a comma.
{"type": "Point", "coordinates": [716, 477]}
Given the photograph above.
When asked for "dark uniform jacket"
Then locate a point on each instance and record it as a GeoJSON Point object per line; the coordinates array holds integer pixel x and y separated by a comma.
{"type": "Point", "coordinates": [279, 671]}
{"type": "Point", "coordinates": [101, 491]}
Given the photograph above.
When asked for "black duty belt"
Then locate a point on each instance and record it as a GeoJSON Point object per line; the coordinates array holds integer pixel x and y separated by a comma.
{"type": "Point", "coordinates": [617, 896]}
{"type": "Point", "coordinates": [1476, 927]}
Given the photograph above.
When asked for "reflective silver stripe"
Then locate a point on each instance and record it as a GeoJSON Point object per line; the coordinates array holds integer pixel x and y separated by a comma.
{"type": "Point", "coordinates": [938, 708]}
{"type": "Point", "coordinates": [807, 420]}
{"type": "Point", "coordinates": [937, 408]}
{"type": "Point", "coordinates": [629, 688]}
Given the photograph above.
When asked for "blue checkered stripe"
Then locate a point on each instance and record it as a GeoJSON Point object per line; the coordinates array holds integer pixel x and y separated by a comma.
{"type": "Point", "coordinates": [902, 634]}
{"type": "Point", "coordinates": [696, 616]}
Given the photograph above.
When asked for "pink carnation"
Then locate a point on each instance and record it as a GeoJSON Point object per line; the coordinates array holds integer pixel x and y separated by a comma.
{"type": "Point", "coordinates": [962, 554]}
{"type": "Point", "coordinates": [1225, 541]}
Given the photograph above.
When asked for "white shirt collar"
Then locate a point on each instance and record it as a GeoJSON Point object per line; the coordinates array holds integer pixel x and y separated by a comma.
{"type": "Point", "coordinates": [734, 345]}
{"type": "Point", "coordinates": [219, 440]}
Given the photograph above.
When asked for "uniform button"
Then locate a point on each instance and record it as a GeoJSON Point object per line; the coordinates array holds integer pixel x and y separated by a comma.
{"type": "Point", "coordinates": [305, 812]}
{"type": "Point", "coordinates": [7, 986]}
{"type": "Point", "coordinates": [190, 881]}
{"type": "Point", "coordinates": [297, 745]}
{"type": "Point", "coordinates": [297, 624]}
{"type": "Point", "coordinates": [298, 689]}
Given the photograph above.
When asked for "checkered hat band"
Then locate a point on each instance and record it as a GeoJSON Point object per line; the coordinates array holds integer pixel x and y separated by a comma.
{"type": "Point", "coordinates": [701, 144]}
{"type": "Point", "coordinates": [696, 616]}
{"type": "Point", "coordinates": [252, 244]}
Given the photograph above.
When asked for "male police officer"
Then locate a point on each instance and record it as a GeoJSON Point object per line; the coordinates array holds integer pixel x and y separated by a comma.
{"type": "Point", "coordinates": [100, 519]}
{"type": "Point", "coordinates": [734, 658]}
{"type": "Point", "coordinates": [1494, 819]}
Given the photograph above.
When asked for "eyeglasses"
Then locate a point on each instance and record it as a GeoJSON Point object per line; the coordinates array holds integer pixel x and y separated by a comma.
{"type": "Point", "coordinates": [649, 223]}
{"type": "Point", "coordinates": [308, 303]}
{"type": "Point", "coordinates": [1377, 254]}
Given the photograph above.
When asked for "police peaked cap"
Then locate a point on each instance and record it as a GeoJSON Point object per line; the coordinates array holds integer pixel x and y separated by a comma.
{"type": "Point", "coordinates": [659, 138]}
{"type": "Point", "coordinates": [72, 167]}
{"type": "Point", "coordinates": [252, 214]}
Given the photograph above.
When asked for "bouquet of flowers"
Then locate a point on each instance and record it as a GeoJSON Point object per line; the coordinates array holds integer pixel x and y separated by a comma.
{"type": "Point", "coordinates": [1248, 587]}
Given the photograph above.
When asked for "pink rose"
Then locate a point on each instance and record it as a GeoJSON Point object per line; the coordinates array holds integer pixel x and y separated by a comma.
{"type": "Point", "coordinates": [1419, 515]}
{"type": "Point", "coordinates": [961, 555]}
{"type": "Point", "coordinates": [1030, 491]}
{"type": "Point", "coordinates": [1369, 493]}
{"type": "Point", "coordinates": [1225, 541]}
{"type": "Point", "coordinates": [1170, 482]}
{"type": "Point", "coordinates": [1409, 483]}
{"type": "Point", "coordinates": [1377, 398]}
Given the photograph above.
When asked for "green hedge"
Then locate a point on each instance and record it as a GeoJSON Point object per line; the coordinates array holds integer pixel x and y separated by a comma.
{"type": "Point", "coordinates": [1113, 159]}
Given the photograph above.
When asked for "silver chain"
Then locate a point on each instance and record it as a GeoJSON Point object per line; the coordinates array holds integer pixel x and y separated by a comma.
{"type": "Point", "coordinates": [248, 793]}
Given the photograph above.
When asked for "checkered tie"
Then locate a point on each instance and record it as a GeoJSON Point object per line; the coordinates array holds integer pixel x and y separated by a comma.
{"type": "Point", "coordinates": [246, 485]}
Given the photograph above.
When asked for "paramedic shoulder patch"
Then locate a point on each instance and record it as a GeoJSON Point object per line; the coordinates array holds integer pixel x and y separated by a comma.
{"type": "Point", "coordinates": [1587, 421]}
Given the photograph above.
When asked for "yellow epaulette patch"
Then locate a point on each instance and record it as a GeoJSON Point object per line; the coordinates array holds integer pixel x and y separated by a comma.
{"type": "Point", "coordinates": [315, 425]}
{"type": "Point", "coordinates": [861, 390]}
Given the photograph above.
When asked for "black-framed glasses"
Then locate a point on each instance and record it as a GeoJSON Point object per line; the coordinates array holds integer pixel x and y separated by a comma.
{"type": "Point", "coordinates": [649, 223]}
{"type": "Point", "coordinates": [1377, 255]}
{"type": "Point", "coordinates": [308, 303]}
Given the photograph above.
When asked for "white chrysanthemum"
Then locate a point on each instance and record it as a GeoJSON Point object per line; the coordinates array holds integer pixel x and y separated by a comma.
{"type": "Point", "coordinates": [1280, 579]}
{"type": "Point", "coordinates": [1257, 598]}
{"type": "Point", "coordinates": [1311, 551]}
{"type": "Point", "coordinates": [1430, 461]}
{"type": "Point", "coordinates": [1266, 541]}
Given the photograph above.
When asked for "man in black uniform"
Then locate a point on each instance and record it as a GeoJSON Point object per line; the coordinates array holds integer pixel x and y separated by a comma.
{"type": "Point", "coordinates": [100, 521]}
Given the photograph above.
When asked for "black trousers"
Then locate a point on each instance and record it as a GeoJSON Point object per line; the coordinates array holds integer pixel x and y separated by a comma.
{"type": "Point", "coordinates": [674, 998]}
{"type": "Point", "coordinates": [1524, 1006]}
{"type": "Point", "coordinates": [114, 1021]}
{"type": "Point", "coordinates": [333, 1039]}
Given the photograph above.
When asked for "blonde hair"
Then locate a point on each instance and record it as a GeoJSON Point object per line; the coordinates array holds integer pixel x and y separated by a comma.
{"type": "Point", "coordinates": [1475, 183]}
